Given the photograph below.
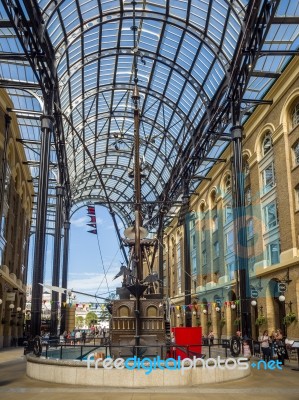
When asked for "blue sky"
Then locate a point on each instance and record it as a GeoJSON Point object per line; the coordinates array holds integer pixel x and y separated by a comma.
{"type": "Point", "coordinates": [86, 272]}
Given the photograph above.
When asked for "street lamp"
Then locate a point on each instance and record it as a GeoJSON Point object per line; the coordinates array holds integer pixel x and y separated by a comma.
{"type": "Point", "coordinates": [281, 298]}
{"type": "Point", "coordinates": [253, 303]}
{"type": "Point", "coordinates": [233, 306]}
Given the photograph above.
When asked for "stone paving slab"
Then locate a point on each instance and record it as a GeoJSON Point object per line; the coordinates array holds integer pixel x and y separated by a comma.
{"type": "Point", "coordinates": [261, 385]}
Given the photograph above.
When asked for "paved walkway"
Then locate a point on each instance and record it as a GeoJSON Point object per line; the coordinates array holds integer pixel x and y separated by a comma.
{"type": "Point", "coordinates": [261, 385]}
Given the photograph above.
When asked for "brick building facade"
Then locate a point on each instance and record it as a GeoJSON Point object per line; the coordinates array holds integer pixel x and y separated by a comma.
{"type": "Point", "coordinates": [16, 204]}
{"type": "Point", "coordinates": [271, 174]}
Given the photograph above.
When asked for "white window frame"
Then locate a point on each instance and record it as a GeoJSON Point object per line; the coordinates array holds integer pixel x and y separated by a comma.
{"type": "Point", "coordinates": [228, 213]}
{"type": "Point", "coordinates": [297, 197]}
{"type": "Point", "coordinates": [295, 116]}
{"type": "Point", "coordinates": [215, 223]}
{"type": "Point", "coordinates": [250, 228]}
{"type": "Point", "coordinates": [216, 250]}
{"type": "Point", "coordinates": [275, 222]}
{"type": "Point", "coordinates": [271, 183]}
{"type": "Point", "coordinates": [267, 139]}
{"type": "Point", "coordinates": [296, 153]}
{"type": "Point", "coordinates": [204, 257]}
{"type": "Point", "coordinates": [270, 260]}
{"type": "Point", "coordinates": [229, 244]}
{"type": "Point", "coordinates": [230, 270]}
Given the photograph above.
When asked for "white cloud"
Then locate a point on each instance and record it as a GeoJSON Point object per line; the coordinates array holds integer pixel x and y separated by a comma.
{"type": "Point", "coordinates": [82, 222]}
{"type": "Point", "coordinates": [79, 222]}
{"type": "Point", "coordinates": [91, 283]}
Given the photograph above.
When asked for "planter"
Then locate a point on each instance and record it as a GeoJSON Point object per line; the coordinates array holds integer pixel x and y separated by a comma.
{"type": "Point", "coordinates": [260, 321]}
{"type": "Point", "coordinates": [289, 318]}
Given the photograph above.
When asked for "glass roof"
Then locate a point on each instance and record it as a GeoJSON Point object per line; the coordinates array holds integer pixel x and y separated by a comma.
{"type": "Point", "coordinates": [185, 50]}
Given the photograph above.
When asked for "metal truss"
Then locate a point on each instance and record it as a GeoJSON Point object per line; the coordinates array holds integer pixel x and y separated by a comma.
{"type": "Point", "coordinates": [197, 64]}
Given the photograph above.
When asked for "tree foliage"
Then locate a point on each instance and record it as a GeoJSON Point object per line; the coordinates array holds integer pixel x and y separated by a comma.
{"type": "Point", "coordinates": [79, 321]}
{"type": "Point", "coordinates": [91, 318]}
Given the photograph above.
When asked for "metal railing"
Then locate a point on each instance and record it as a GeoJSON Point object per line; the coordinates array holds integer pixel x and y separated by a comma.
{"type": "Point", "coordinates": [79, 351]}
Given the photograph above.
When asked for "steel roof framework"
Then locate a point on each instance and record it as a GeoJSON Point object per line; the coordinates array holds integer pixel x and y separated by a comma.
{"type": "Point", "coordinates": [189, 58]}
{"type": "Point", "coordinates": [203, 66]}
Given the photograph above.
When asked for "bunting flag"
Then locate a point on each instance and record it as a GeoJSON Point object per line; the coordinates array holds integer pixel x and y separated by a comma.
{"type": "Point", "coordinates": [91, 210]}
{"type": "Point", "coordinates": [93, 220]}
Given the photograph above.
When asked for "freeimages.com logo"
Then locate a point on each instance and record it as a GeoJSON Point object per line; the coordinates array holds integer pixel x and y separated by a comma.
{"type": "Point", "coordinates": [156, 363]}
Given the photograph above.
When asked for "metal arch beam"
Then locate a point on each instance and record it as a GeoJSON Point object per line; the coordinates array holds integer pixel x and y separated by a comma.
{"type": "Point", "coordinates": [40, 54]}
{"type": "Point", "coordinates": [120, 153]}
{"type": "Point", "coordinates": [116, 191]}
{"type": "Point", "coordinates": [53, 6]}
{"type": "Point", "coordinates": [113, 16]}
{"type": "Point", "coordinates": [85, 202]}
{"type": "Point", "coordinates": [112, 189]}
{"type": "Point", "coordinates": [124, 86]}
{"type": "Point", "coordinates": [121, 212]}
{"type": "Point", "coordinates": [100, 179]}
{"type": "Point", "coordinates": [237, 84]}
{"type": "Point", "coordinates": [122, 177]}
{"type": "Point", "coordinates": [120, 166]}
{"type": "Point", "coordinates": [113, 52]}
{"type": "Point", "coordinates": [127, 114]}
{"type": "Point", "coordinates": [145, 142]}
{"type": "Point", "coordinates": [118, 178]}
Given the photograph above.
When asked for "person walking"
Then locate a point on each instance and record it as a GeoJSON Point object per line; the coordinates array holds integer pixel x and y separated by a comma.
{"type": "Point", "coordinates": [211, 337]}
{"type": "Point", "coordinates": [246, 350]}
{"type": "Point", "coordinates": [265, 345]}
{"type": "Point", "coordinates": [280, 346]}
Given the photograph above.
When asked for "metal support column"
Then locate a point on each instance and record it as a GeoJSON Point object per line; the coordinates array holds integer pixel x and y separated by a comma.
{"type": "Point", "coordinates": [65, 263]}
{"type": "Point", "coordinates": [4, 168]}
{"type": "Point", "coordinates": [56, 259]}
{"type": "Point", "coordinates": [161, 261]}
{"type": "Point", "coordinates": [240, 231]}
{"type": "Point", "coordinates": [41, 222]}
{"type": "Point", "coordinates": [187, 264]}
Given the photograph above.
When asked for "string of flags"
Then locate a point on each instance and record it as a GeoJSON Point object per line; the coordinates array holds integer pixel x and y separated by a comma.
{"type": "Point", "coordinates": [184, 307]}
{"type": "Point", "coordinates": [77, 305]}
{"type": "Point", "coordinates": [91, 213]}
{"type": "Point", "coordinates": [199, 306]}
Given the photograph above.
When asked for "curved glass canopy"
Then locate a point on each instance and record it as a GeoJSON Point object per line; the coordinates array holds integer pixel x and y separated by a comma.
{"type": "Point", "coordinates": [187, 51]}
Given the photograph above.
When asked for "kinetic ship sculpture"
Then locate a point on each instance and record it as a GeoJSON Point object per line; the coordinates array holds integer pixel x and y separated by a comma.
{"type": "Point", "coordinates": [138, 316]}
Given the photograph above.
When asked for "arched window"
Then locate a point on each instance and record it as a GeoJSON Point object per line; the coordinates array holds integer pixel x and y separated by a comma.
{"type": "Point", "coordinates": [152, 311]}
{"type": "Point", "coordinates": [297, 197]}
{"type": "Point", "coordinates": [123, 311]}
{"type": "Point", "coordinates": [215, 223]}
{"type": "Point", "coordinates": [227, 184]}
{"type": "Point", "coordinates": [295, 116]}
{"type": "Point", "coordinates": [246, 168]}
{"type": "Point", "coordinates": [296, 153]}
{"type": "Point", "coordinates": [213, 198]}
{"type": "Point", "coordinates": [267, 144]}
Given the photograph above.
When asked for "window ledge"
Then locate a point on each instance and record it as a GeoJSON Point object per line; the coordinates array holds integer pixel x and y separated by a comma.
{"type": "Point", "coordinates": [269, 193]}
{"type": "Point", "coordinates": [271, 229]}
{"type": "Point", "coordinates": [294, 167]}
